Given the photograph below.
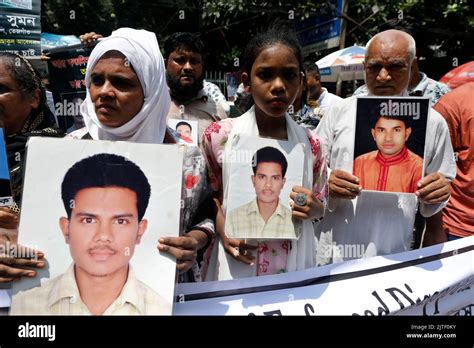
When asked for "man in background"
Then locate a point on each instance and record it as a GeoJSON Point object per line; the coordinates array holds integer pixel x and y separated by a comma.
{"type": "Point", "coordinates": [318, 96]}
{"type": "Point", "coordinates": [183, 54]}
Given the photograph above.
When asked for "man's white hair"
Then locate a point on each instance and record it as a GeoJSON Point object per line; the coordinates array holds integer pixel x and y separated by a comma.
{"type": "Point", "coordinates": [410, 40]}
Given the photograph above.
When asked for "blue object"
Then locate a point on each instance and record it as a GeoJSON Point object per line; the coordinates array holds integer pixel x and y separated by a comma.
{"type": "Point", "coordinates": [52, 40]}
{"type": "Point", "coordinates": [4, 172]}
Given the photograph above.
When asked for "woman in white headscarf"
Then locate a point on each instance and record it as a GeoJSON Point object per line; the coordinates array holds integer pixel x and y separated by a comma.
{"type": "Point", "coordinates": [106, 116]}
{"type": "Point", "coordinates": [128, 100]}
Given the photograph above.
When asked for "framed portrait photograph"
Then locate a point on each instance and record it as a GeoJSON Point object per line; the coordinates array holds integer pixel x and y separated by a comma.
{"type": "Point", "coordinates": [389, 143]}
{"type": "Point", "coordinates": [96, 210]}
{"type": "Point", "coordinates": [262, 175]}
{"type": "Point", "coordinates": [187, 130]}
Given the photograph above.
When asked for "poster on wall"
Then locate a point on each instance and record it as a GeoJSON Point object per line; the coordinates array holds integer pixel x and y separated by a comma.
{"type": "Point", "coordinates": [20, 27]}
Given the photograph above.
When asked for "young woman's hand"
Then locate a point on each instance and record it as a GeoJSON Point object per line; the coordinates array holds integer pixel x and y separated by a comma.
{"type": "Point", "coordinates": [312, 209]}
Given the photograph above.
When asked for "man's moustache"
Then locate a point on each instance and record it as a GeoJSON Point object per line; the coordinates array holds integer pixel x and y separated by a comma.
{"type": "Point", "coordinates": [102, 248]}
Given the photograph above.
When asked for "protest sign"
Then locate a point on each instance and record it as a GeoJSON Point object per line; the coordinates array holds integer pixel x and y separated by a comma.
{"type": "Point", "coordinates": [262, 175]}
{"type": "Point", "coordinates": [390, 143]}
{"type": "Point", "coordinates": [437, 280]}
{"type": "Point", "coordinates": [67, 73]}
{"type": "Point", "coordinates": [20, 27]}
{"type": "Point", "coordinates": [96, 207]}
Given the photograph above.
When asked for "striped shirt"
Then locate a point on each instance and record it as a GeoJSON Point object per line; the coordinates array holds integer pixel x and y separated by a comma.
{"type": "Point", "coordinates": [246, 222]}
{"type": "Point", "coordinates": [60, 296]}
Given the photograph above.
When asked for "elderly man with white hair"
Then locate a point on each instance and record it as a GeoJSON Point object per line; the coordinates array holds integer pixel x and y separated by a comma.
{"type": "Point", "coordinates": [420, 84]}
{"type": "Point", "coordinates": [380, 222]}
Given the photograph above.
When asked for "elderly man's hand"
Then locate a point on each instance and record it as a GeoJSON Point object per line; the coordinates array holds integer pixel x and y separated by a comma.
{"type": "Point", "coordinates": [433, 188]}
{"type": "Point", "coordinates": [343, 185]}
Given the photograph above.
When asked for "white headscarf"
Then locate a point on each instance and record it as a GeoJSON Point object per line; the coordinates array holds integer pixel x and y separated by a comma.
{"type": "Point", "coordinates": [142, 51]}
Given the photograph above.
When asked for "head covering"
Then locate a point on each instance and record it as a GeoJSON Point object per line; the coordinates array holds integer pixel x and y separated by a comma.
{"type": "Point", "coordinates": [142, 51]}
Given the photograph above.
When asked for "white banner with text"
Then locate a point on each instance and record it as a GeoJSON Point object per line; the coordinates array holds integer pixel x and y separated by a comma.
{"type": "Point", "coordinates": [437, 280]}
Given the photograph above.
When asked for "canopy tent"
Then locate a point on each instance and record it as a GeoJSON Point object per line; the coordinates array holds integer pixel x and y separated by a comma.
{"type": "Point", "coordinates": [343, 65]}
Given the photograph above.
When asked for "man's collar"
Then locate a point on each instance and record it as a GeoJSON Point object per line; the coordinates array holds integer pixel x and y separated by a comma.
{"type": "Point", "coordinates": [66, 288]}
{"type": "Point", "coordinates": [279, 210]}
{"type": "Point", "coordinates": [253, 208]}
{"type": "Point", "coordinates": [392, 160]}
{"type": "Point", "coordinates": [131, 293]}
{"type": "Point", "coordinates": [420, 88]}
{"type": "Point", "coordinates": [322, 95]}
{"type": "Point", "coordinates": [201, 95]}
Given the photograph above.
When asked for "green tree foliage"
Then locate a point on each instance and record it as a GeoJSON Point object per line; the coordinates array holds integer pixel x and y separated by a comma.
{"type": "Point", "coordinates": [77, 17]}
{"type": "Point", "coordinates": [103, 16]}
{"type": "Point", "coordinates": [226, 12]}
{"type": "Point", "coordinates": [444, 29]}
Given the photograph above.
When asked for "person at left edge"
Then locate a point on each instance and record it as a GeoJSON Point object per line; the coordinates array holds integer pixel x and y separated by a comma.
{"type": "Point", "coordinates": [24, 113]}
